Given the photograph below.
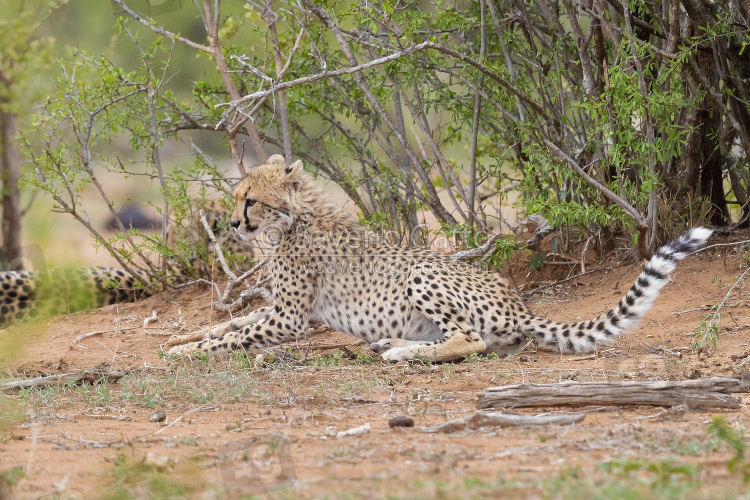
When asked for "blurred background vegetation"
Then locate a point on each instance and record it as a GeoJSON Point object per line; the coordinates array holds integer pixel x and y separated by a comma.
{"type": "Point", "coordinates": [609, 118]}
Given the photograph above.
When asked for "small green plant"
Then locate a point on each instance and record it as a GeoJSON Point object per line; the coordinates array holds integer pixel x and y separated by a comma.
{"type": "Point", "coordinates": [102, 395]}
{"type": "Point", "coordinates": [736, 442]}
{"type": "Point", "coordinates": [536, 261]}
{"type": "Point", "coordinates": [365, 358]}
{"type": "Point", "coordinates": [10, 415]}
{"type": "Point", "coordinates": [138, 479]}
{"type": "Point", "coordinates": [666, 470]}
{"type": "Point", "coordinates": [707, 331]}
{"type": "Point", "coordinates": [239, 361]}
{"type": "Point", "coordinates": [475, 357]}
{"type": "Point", "coordinates": [152, 400]}
{"type": "Point", "coordinates": [664, 479]}
{"type": "Point", "coordinates": [84, 391]}
{"type": "Point", "coordinates": [12, 476]}
{"type": "Point", "coordinates": [334, 359]}
{"type": "Point", "coordinates": [189, 441]}
{"type": "Point", "coordinates": [693, 447]}
{"type": "Point", "coordinates": [237, 426]}
{"type": "Point", "coordinates": [420, 358]}
{"type": "Point", "coordinates": [201, 359]}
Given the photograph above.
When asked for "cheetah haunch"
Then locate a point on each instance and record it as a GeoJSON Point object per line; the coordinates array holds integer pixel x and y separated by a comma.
{"type": "Point", "coordinates": [407, 302]}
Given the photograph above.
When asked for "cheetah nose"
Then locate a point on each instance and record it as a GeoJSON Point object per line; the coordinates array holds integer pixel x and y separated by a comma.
{"type": "Point", "coordinates": [234, 223]}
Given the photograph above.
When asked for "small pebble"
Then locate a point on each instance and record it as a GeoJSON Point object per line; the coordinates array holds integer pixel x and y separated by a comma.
{"type": "Point", "coordinates": [158, 416]}
{"type": "Point", "coordinates": [401, 421]}
{"type": "Point", "coordinates": [155, 460]}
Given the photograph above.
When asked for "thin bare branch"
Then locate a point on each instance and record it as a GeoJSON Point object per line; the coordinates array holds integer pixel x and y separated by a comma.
{"type": "Point", "coordinates": [212, 29]}
{"type": "Point", "coordinates": [589, 84]}
{"type": "Point", "coordinates": [250, 293]}
{"type": "Point", "coordinates": [159, 30]}
{"type": "Point", "coordinates": [629, 209]}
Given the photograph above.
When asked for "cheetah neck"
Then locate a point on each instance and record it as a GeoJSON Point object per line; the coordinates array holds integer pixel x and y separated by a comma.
{"type": "Point", "coordinates": [314, 209]}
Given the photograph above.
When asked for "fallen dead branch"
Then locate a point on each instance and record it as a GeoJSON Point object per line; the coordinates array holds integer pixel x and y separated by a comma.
{"type": "Point", "coordinates": [583, 358]}
{"type": "Point", "coordinates": [123, 418]}
{"type": "Point", "coordinates": [660, 349]}
{"type": "Point", "coordinates": [702, 393]}
{"type": "Point", "coordinates": [147, 321]}
{"type": "Point", "coordinates": [702, 308]}
{"type": "Point", "coordinates": [479, 419]}
{"type": "Point", "coordinates": [114, 330]}
{"type": "Point", "coordinates": [484, 251]}
{"type": "Point", "coordinates": [93, 375]}
{"type": "Point", "coordinates": [318, 328]}
{"type": "Point", "coordinates": [199, 408]}
{"type": "Point", "coordinates": [557, 282]}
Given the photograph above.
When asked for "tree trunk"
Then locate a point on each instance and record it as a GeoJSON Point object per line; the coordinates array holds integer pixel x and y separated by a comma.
{"type": "Point", "coordinates": [10, 170]}
{"type": "Point", "coordinates": [703, 156]}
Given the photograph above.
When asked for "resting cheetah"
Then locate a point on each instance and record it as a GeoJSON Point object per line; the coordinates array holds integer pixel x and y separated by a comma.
{"type": "Point", "coordinates": [28, 294]}
{"type": "Point", "coordinates": [406, 302]}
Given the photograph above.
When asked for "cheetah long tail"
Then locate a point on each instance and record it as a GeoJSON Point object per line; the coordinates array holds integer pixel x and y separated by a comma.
{"type": "Point", "coordinates": [587, 335]}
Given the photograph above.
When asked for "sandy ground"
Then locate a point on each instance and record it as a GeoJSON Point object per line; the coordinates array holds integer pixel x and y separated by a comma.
{"type": "Point", "coordinates": [86, 442]}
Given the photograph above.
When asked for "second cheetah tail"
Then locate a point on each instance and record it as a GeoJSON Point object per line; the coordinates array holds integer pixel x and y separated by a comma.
{"type": "Point", "coordinates": [587, 335]}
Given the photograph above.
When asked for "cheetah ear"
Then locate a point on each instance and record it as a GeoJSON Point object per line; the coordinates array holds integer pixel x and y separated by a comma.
{"type": "Point", "coordinates": [276, 159]}
{"type": "Point", "coordinates": [294, 168]}
{"type": "Point", "coordinates": [294, 173]}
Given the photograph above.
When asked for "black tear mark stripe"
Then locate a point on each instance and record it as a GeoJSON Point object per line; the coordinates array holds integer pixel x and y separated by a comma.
{"type": "Point", "coordinates": [247, 209]}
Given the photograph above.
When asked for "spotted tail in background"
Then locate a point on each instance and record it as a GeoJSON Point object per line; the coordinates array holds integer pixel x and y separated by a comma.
{"type": "Point", "coordinates": [587, 335]}
{"type": "Point", "coordinates": [29, 294]}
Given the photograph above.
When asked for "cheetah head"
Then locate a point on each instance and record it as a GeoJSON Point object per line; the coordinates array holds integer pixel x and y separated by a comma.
{"type": "Point", "coordinates": [264, 200]}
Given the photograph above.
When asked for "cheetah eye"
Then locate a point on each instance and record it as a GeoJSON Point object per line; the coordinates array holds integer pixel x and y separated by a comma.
{"type": "Point", "coordinates": [249, 203]}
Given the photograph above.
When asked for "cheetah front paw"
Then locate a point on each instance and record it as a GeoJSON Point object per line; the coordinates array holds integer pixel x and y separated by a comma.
{"type": "Point", "coordinates": [397, 354]}
{"type": "Point", "coordinates": [384, 345]}
{"type": "Point", "coordinates": [186, 349]}
{"type": "Point", "coordinates": [421, 352]}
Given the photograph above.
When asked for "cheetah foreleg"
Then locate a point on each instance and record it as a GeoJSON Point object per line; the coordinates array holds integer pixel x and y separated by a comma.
{"type": "Point", "coordinates": [220, 329]}
{"type": "Point", "coordinates": [277, 327]}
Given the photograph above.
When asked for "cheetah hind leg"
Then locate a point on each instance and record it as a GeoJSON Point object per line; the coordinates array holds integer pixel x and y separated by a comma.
{"type": "Point", "coordinates": [196, 341]}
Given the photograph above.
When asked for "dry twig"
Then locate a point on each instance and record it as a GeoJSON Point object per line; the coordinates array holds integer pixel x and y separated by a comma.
{"type": "Point", "coordinates": [251, 292]}
{"type": "Point", "coordinates": [479, 419]}
{"type": "Point", "coordinates": [93, 375]}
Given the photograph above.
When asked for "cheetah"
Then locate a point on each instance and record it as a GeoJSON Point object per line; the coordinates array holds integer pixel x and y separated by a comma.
{"type": "Point", "coordinates": [32, 294]}
{"type": "Point", "coordinates": [407, 303]}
